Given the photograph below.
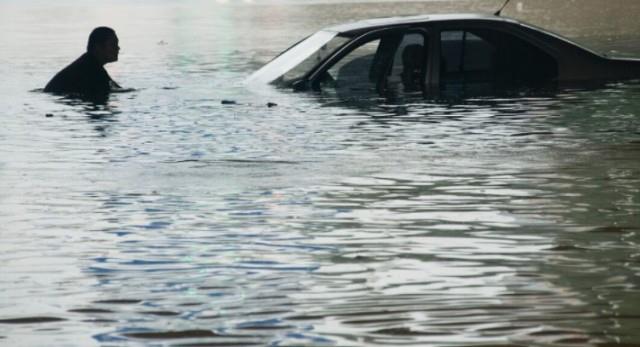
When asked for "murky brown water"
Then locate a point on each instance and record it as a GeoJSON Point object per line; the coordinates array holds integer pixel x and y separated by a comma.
{"type": "Point", "coordinates": [166, 218]}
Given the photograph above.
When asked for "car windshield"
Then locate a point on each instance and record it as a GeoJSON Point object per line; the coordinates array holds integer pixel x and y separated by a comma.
{"type": "Point", "coordinates": [295, 62]}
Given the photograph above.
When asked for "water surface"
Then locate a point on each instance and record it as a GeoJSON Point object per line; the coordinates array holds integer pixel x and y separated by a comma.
{"type": "Point", "coordinates": [169, 218]}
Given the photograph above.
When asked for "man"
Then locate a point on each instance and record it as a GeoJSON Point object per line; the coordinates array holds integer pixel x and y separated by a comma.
{"type": "Point", "coordinates": [86, 76]}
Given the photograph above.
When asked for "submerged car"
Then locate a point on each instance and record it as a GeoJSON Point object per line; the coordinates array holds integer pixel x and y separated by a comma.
{"type": "Point", "coordinates": [457, 54]}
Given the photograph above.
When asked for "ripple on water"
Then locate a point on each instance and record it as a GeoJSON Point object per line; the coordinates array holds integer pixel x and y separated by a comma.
{"type": "Point", "coordinates": [166, 217]}
{"type": "Point", "coordinates": [31, 320]}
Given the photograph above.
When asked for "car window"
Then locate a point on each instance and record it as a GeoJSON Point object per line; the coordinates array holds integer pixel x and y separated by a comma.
{"type": "Point", "coordinates": [312, 60]}
{"type": "Point", "coordinates": [394, 63]}
{"type": "Point", "coordinates": [408, 70]}
{"type": "Point", "coordinates": [466, 62]}
{"type": "Point", "coordinates": [298, 60]}
{"type": "Point", "coordinates": [479, 61]}
{"type": "Point", "coordinates": [354, 72]}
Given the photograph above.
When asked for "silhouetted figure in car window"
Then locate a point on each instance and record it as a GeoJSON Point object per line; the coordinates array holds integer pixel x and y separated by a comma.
{"type": "Point", "coordinates": [86, 77]}
{"type": "Point", "coordinates": [413, 63]}
{"type": "Point", "coordinates": [412, 67]}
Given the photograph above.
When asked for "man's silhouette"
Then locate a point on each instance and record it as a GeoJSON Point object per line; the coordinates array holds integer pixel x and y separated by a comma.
{"type": "Point", "coordinates": [86, 76]}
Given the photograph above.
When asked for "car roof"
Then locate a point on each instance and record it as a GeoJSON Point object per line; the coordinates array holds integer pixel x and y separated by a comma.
{"type": "Point", "coordinates": [359, 27]}
{"type": "Point", "coordinates": [392, 21]}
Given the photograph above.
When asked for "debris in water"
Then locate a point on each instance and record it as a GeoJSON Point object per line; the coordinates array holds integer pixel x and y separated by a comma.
{"type": "Point", "coordinates": [271, 104]}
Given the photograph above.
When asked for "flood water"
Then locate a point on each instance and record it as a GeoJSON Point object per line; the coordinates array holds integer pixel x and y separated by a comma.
{"type": "Point", "coordinates": [168, 217]}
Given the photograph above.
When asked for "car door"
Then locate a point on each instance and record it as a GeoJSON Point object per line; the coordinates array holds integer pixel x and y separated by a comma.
{"type": "Point", "coordinates": [382, 63]}
{"type": "Point", "coordinates": [477, 60]}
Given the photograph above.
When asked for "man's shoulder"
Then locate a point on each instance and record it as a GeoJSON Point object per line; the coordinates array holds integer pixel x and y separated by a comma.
{"type": "Point", "coordinates": [73, 77]}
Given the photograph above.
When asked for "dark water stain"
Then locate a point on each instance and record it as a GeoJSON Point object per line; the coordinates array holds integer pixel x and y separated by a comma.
{"type": "Point", "coordinates": [90, 310]}
{"type": "Point", "coordinates": [219, 344]}
{"type": "Point", "coordinates": [407, 332]}
{"type": "Point", "coordinates": [489, 308]}
{"type": "Point", "coordinates": [118, 301]}
{"type": "Point", "coordinates": [624, 316]}
{"type": "Point", "coordinates": [100, 321]}
{"type": "Point", "coordinates": [265, 327]}
{"type": "Point", "coordinates": [214, 288]}
{"type": "Point", "coordinates": [502, 329]}
{"type": "Point", "coordinates": [553, 333]}
{"type": "Point", "coordinates": [270, 312]}
{"type": "Point", "coordinates": [238, 161]}
{"type": "Point", "coordinates": [270, 324]}
{"type": "Point", "coordinates": [566, 248]}
{"type": "Point", "coordinates": [182, 334]}
{"type": "Point", "coordinates": [374, 321]}
{"type": "Point", "coordinates": [532, 133]}
{"type": "Point", "coordinates": [47, 329]}
{"type": "Point", "coordinates": [611, 230]}
{"type": "Point", "coordinates": [161, 313]}
{"type": "Point", "coordinates": [573, 340]}
{"type": "Point", "coordinates": [31, 320]}
{"type": "Point", "coordinates": [270, 297]}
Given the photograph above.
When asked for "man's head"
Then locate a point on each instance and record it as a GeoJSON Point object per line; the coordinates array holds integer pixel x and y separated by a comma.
{"type": "Point", "coordinates": [103, 44]}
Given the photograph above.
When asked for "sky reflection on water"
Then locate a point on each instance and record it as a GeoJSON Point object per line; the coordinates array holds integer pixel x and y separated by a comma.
{"type": "Point", "coordinates": [166, 217]}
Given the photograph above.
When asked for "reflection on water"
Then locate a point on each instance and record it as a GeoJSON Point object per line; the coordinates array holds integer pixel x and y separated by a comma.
{"type": "Point", "coordinates": [167, 217]}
